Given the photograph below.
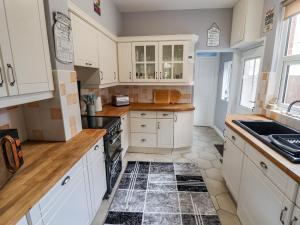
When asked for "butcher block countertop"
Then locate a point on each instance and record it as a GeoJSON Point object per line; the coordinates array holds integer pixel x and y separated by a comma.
{"type": "Point", "coordinates": [109, 110]}
{"type": "Point", "coordinates": [291, 169]}
{"type": "Point", "coordinates": [45, 164]}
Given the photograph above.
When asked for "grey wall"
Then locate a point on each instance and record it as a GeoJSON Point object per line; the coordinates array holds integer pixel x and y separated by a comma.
{"type": "Point", "coordinates": [179, 22]}
{"type": "Point", "coordinates": [110, 17]}
{"type": "Point", "coordinates": [221, 106]}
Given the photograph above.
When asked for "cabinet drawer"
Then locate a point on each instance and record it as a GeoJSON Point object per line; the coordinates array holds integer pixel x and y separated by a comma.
{"type": "Point", "coordinates": [286, 184]}
{"type": "Point", "coordinates": [165, 115]}
{"type": "Point", "coordinates": [236, 139]}
{"type": "Point", "coordinates": [60, 188]}
{"type": "Point", "coordinates": [93, 152]}
{"type": "Point", "coordinates": [143, 114]}
{"type": "Point", "coordinates": [143, 140]}
{"type": "Point", "coordinates": [143, 125]}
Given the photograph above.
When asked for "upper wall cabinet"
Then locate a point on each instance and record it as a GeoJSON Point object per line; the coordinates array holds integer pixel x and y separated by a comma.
{"type": "Point", "coordinates": [125, 62]}
{"type": "Point", "coordinates": [25, 66]}
{"type": "Point", "coordinates": [85, 41]}
{"type": "Point", "coordinates": [246, 23]}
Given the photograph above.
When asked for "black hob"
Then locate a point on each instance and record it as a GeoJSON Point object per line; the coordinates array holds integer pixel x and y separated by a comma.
{"type": "Point", "coordinates": [101, 122]}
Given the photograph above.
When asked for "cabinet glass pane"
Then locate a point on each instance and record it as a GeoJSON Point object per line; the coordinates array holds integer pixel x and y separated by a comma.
{"type": "Point", "coordinates": [167, 71]}
{"type": "Point", "coordinates": [167, 53]}
{"type": "Point", "coordinates": [140, 71]}
{"type": "Point", "coordinates": [139, 53]}
{"type": "Point", "coordinates": [150, 53]}
{"type": "Point", "coordinates": [178, 52]}
{"type": "Point", "coordinates": [150, 68]}
{"type": "Point", "coordinates": [178, 70]}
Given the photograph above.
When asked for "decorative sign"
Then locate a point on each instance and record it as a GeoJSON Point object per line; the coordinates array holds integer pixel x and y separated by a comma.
{"type": "Point", "coordinates": [63, 38]}
{"type": "Point", "coordinates": [213, 36]}
{"type": "Point", "coordinates": [97, 7]}
{"type": "Point", "coordinates": [269, 20]}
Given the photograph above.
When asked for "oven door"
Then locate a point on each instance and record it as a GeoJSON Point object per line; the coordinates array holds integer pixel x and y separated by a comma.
{"type": "Point", "coordinates": [113, 145]}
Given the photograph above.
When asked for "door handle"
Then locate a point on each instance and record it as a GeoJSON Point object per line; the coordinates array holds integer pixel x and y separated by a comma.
{"type": "Point", "coordinates": [283, 214]}
{"type": "Point", "coordinates": [143, 125]}
{"type": "Point", "coordinates": [1, 77]}
{"type": "Point", "coordinates": [65, 181]}
{"type": "Point", "coordinates": [158, 125]}
{"type": "Point", "coordinates": [101, 75]}
{"type": "Point", "coordinates": [263, 165]}
{"type": "Point", "coordinates": [96, 147]}
{"type": "Point", "coordinates": [13, 81]}
{"type": "Point", "coordinates": [175, 117]}
{"type": "Point", "coordinates": [294, 220]}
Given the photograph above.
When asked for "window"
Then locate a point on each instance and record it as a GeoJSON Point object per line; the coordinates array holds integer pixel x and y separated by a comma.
{"type": "Point", "coordinates": [290, 63]}
{"type": "Point", "coordinates": [249, 85]}
{"type": "Point", "coordinates": [226, 80]}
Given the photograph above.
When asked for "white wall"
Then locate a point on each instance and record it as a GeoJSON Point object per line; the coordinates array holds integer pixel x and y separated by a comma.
{"type": "Point", "coordinates": [179, 22]}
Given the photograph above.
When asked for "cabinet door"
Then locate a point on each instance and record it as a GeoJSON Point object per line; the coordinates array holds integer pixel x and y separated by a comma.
{"type": "Point", "coordinates": [183, 129]}
{"type": "Point", "coordinates": [125, 134]}
{"type": "Point", "coordinates": [232, 167]}
{"type": "Point", "coordinates": [85, 41]}
{"type": "Point", "coordinates": [145, 58]}
{"type": "Point", "coordinates": [125, 62]}
{"type": "Point", "coordinates": [97, 174]}
{"type": "Point", "coordinates": [238, 22]}
{"type": "Point", "coordinates": [173, 61]}
{"type": "Point", "coordinates": [260, 202]}
{"type": "Point", "coordinates": [165, 133]}
{"type": "Point", "coordinates": [295, 220]}
{"type": "Point", "coordinates": [23, 221]}
{"type": "Point", "coordinates": [26, 24]}
{"type": "Point", "coordinates": [107, 59]}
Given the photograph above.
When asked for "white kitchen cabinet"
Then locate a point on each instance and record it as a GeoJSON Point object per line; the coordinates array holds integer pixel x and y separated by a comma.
{"type": "Point", "coordinates": [147, 140]}
{"type": "Point", "coordinates": [173, 61]}
{"type": "Point", "coordinates": [232, 167]}
{"type": "Point", "coordinates": [145, 61]}
{"type": "Point", "coordinates": [183, 129]}
{"type": "Point", "coordinates": [125, 62]}
{"type": "Point", "coordinates": [247, 17]}
{"type": "Point", "coordinates": [24, 47]}
{"type": "Point", "coordinates": [125, 126]}
{"type": "Point", "coordinates": [260, 201]}
{"type": "Point", "coordinates": [165, 133]}
{"type": "Point", "coordinates": [141, 125]}
{"type": "Point", "coordinates": [23, 221]}
{"type": "Point", "coordinates": [97, 175]}
{"type": "Point", "coordinates": [85, 41]}
{"type": "Point", "coordinates": [295, 219]}
{"type": "Point", "coordinates": [3, 88]}
{"type": "Point", "coordinates": [108, 64]}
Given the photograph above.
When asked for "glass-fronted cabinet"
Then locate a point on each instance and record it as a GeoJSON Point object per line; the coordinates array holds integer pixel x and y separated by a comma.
{"type": "Point", "coordinates": [172, 61]}
{"type": "Point", "coordinates": [145, 61]}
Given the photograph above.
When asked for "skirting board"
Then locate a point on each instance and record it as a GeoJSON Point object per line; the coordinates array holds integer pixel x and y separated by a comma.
{"type": "Point", "coordinates": [220, 133]}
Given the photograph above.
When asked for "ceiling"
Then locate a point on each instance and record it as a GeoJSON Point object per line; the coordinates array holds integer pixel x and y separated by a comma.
{"type": "Point", "coordinates": [156, 5]}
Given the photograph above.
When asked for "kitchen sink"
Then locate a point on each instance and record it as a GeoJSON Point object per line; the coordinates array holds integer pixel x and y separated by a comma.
{"type": "Point", "coordinates": [277, 136]}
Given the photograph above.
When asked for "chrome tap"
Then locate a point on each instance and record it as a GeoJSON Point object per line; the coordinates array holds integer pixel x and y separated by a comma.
{"type": "Point", "coordinates": [291, 105]}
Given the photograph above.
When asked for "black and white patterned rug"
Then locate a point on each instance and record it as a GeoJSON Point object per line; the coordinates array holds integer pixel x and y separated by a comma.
{"type": "Point", "coordinates": [152, 193]}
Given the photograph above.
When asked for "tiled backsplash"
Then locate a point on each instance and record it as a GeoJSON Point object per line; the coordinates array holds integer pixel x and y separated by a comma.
{"type": "Point", "coordinates": [138, 94]}
{"type": "Point", "coordinates": [13, 117]}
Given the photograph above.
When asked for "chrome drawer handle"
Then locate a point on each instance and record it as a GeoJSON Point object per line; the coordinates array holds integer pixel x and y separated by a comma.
{"type": "Point", "coordinates": [143, 140]}
{"type": "Point", "coordinates": [233, 137]}
{"type": "Point", "coordinates": [283, 214]}
{"type": "Point", "coordinates": [101, 75]}
{"type": "Point", "coordinates": [294, 220]}
{"type": "Point", "coordinates": [263, 165]}
{"type": "Point", "coordinates": [65, 181]}
{"type": "Point", "coordinates": [165, 114]}
{"type": "Point", "coordinates": [96, 147]}
{"type": "Point", "coordinates": [143, 125]}
{"type": "Point", "coordinates": [158, 125]}
{"type": "Point", "coordinates": [143, 114]}
{"type": "Point", "coordinates": [88, 64]}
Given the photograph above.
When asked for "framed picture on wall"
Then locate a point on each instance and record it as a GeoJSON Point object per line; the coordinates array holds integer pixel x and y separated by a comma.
{"type": "Point", "coordinates": [97, 7]}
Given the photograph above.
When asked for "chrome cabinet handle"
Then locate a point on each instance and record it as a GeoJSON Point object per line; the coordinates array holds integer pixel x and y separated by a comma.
{"type": "Point", "coordinates": [101, 75]}
{"type": "Point", "coordinates": [294, 220]}
{"type": "Point", "coordinates": [96, 147]}
{"type": "Point", "coordinates": [160, 75]}
{"type": "Point", "coordinates": [156, 75]}
{"type": "Point", "coordinates": [143, 114]}
{"type": "Point", "coordinates": [143, 140]}
{"type": "Point", "coordinates": [175, 117]}
{"type": "Point", "coordinates": [165, 114]}
{"type": "Point", "coordinates": [233, 138]}
{"type": "Point", "coordinates": [263, 165]}
{"type": "Point", "coordinates": [1, 77]}
{"type": "Point", "coordinates": [65, 181]}
{"type": "Point", "coordinates": [283, 214]}
{"type": "Point", "coordinates": [143, 125]}
{"type": "Point", "coordinates": [88, 64]}
{"type": "Point", "coordinates": [130, 75]}
{"type": "Point", "coordinates": [9, 67]}
{"type": "Point", "coordinates": [158, 125]}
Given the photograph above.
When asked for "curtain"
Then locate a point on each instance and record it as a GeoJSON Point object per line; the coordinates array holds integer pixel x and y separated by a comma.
{"type": "Point", "coordinates": [291, 8]}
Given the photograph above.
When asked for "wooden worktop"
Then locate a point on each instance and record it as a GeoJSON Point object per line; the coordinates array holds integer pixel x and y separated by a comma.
{"type": "Point", "coordinates": [45, 164]}
{"type": "Point", "coordinates": [291, 169]}
{"type": "Point", "coordinates": [109, 110]}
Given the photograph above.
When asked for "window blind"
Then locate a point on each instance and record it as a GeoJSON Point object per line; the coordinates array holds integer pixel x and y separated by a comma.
{"type": "Point", "coordinates": [292, 7]}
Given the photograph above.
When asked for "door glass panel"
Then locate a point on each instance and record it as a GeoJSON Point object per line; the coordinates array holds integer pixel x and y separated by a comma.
{"type": "Point", "coordinates": [167, 53]}
{"type": "Point", "coordinates": [140, 71]}
{"type": "Point", "coordinates": [178, 52]}
{"type": "Point", "coordinates": [139, 53]}
{"type": "Point", "coordinates": [150, 68]}
{"type": "Point", "coordinates": [167, 71]}
{"type": "Point", "coordinates": [150, 53]}
{"type": "Point", "coordinates": [178, 70]}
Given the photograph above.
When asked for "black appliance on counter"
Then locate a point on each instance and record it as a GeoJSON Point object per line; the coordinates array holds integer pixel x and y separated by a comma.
{"type": "Point", "coordinates": [112, 146]}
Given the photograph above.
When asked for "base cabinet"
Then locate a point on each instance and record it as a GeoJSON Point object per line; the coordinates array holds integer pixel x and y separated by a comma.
{"type": "Point", "coordinates": [260, 201]}
{"type": "Point", "coordinates": [183, 129]}
{"type": "Point", "coordinates": [125, 126]}
{"type": "Point", "coordinates": [295, 219]}
{"type": "Point", "coordinates": [23, 221]}
{"type": "Point", "coordinates": [165, 133]}
{"type": "Point", "coordinates": [232, 167]}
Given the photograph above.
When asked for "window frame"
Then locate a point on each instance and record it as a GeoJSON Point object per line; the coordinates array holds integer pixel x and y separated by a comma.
{"type": "Point", "coordinates": [283, 62]}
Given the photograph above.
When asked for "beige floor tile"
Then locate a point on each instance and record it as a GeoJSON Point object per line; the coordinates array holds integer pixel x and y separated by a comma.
{"type": "Point", "coordinates": [226, 203]}
{"type": "Point", "coordinates": [215, 187]}
{"type": "Point", "coordinates": [215, 174]}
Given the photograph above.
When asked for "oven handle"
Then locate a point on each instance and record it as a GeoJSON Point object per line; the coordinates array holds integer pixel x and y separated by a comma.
{"type": "Point", "coordinates": [114, 139]}
{"type": "Point", "coordinates": [116, 155]}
